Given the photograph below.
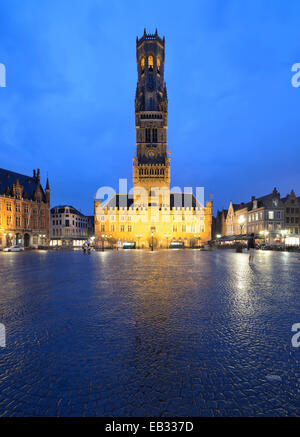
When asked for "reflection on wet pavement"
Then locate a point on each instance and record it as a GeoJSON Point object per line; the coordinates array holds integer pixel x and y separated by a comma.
{"type": "Point", "coordinates": [167, 333]}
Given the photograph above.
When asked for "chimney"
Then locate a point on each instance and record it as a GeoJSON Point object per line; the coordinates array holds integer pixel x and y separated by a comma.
{"type": "Point", "coordinates": [38, 175]}
{"type": "Point", "coordinates": [252, 198]}
{"type": "Point", "coordinates": [34, 175]}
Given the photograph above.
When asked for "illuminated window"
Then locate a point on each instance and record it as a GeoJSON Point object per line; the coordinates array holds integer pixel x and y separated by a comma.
{"type": "Point", "coordinates": [158, 65]}
{"type": "Point", "coordinates": [143, 65]}
{"type": "Point", "coordinates": [150, 63]}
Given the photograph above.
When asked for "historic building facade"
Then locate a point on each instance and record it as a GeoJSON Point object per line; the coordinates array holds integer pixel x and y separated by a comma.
{"type": "Point", "coordinates": [273, 218]}
{"type": "Point", "coordinates": [68, 227]}
{"type": "Point", "coordinates": [152, 215]}
{"type": "Point", "coordinates": [24, 210]}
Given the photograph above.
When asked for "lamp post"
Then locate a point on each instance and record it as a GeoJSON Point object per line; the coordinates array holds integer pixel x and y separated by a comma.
{"type": "Point", "coordinates": [167, 238]}
{"type": "Point", "coordinates": [284, 234]}
{"type": "Point", "coordinates": [152, 242]}
{"type": "Point", "coordinates": [102, 242]}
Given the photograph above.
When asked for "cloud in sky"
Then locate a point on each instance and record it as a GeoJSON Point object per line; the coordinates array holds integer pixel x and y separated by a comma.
{"type": "Point", "coordinates": [71, 75]}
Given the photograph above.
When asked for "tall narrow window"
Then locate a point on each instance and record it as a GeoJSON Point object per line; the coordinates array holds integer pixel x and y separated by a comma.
{"type": "Point", "coordinates": [150, 63]}
{"type": "Point", "coordinates": [143, 65]}
{"type": "Point", "coordinates": [148, 138]}
{"type": "Point", "coordinates": [154, 135]}
{"type": "Point", "coordinates": [158, 65]}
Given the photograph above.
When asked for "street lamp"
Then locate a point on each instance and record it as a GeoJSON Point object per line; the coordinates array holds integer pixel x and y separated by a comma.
{"type": "Point", "coordinates": [152, 242]}
{"type": "Point", "coordinates": [167, 238]}
{"type": "Point", "coordinates": [102, 242]}
{"type": "Point", "coordinates": [284, 234]}
{"type": "Point", "coordinates": [265, 233]}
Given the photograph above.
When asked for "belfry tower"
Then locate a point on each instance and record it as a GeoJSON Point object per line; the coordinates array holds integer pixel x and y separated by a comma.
{"type": "Point", "coordinates": [151, 165]}
{"type": "Point", "coordinates": [153, 216]}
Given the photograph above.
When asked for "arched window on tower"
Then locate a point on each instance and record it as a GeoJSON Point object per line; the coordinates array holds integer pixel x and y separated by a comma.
{"type": "Point", "coordinates": [150, 63]}
{"type": "Point", "coordinates": [158, 65]}
{"type": "Point", "coordinates": [143, 65]}
{"type": "Point", "coordinates": [148, 133]}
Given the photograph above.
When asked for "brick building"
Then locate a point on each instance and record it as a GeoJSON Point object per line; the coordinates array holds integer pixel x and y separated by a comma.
{"type": "Point", "coordinates": [24, 210]}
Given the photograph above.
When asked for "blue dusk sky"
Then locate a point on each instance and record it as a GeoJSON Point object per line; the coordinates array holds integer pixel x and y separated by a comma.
{"type": "Point", "coordinates": [68, 107]}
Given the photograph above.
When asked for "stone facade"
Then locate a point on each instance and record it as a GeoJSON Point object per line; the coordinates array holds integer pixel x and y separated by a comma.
{"type": "Point", "coordinates": [24, 210]}
{"type": "Point", "coordinates": [152, 215]}
{"type": "Point", "coordinates": [68, 227]}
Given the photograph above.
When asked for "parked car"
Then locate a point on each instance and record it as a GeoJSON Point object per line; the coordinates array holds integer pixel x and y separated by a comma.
{"type": "Point", "coordinates": [14, 249]}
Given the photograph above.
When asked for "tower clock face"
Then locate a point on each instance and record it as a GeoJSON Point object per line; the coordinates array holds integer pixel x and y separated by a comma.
{"type": "Point", "coordinates": [151, 153]}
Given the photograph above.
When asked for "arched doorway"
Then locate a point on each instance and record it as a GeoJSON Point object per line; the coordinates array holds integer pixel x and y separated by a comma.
{"type": "Point", "coordinates": [26, 240]}
{"type": "Point", "coordinates": [18, 239]}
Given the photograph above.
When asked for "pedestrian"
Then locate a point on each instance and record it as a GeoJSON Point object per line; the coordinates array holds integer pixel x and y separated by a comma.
{"type": "Point", "coordinates": [251, 247]}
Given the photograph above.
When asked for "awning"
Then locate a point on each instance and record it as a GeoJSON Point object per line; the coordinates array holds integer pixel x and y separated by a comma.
{"type": "Point", "coordinates": [241, 237]}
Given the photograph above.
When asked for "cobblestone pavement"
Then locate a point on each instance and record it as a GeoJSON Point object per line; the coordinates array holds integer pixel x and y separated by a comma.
{"type": "Point", "coordinates": [167, 333]}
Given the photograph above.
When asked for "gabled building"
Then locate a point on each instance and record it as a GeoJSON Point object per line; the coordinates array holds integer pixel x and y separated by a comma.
{"type": "Point", "coordinates": [24, 209]}
{"type": "Point", "coordinates": [292, 218]}
{"type": "Point", "coordinates": [236, 219]}
{"type": "Point", "coordinates": [265, 216]}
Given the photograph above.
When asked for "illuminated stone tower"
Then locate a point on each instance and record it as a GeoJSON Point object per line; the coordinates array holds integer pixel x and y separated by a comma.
{"type": "Point", "coordinates": [151, 165]}
{"type": "Point", "coordinates": [152, 217]}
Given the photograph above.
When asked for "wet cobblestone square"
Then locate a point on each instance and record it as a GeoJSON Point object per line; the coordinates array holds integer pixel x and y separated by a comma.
{"type": "Point", "coordinates": [167, 333]}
